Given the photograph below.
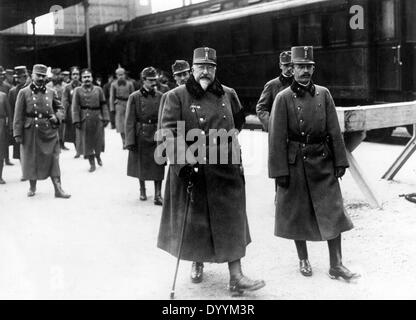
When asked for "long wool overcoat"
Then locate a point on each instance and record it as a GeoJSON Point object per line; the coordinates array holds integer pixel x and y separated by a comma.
{"type": "Point", "coordinates": [68, 93]}
{"type": "Point", "coordinates": [119, 94]}
{"type": "Point", "coordinates": [89, 108]}
{"type": "Point", "coordinates": [217, 228]}
{"type": "Point", "coordinates": [39, 151]}
{"type": "Point", "coordinates": [311, 208]}
{"type": "Point", "coordinates": [5, 117]}
{"type": "Point", "coordinates": [141, 126]}
{"type": "Point", "coordinates": [270, 91]}
{"type": "Point", "coordinates": [12, 100]}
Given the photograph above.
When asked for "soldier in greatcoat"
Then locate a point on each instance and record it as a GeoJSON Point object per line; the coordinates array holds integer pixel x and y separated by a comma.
{"type": "Point", "coordinates": [273, 87]}
{"type": "Point", "coordinates": [37, 116]}
{"type": "Point", "coordinates": [57, 84]}
{"type": "Point", "coordinates": [5, 87]}
{"type": "Point", "coordinates": [90, 115]}
{"type": "Point", "coordinates": [5, 122]}
{"type": "Point", "coordinates": [22, 80]}
{"type": "Point", "coordinates": [141, 126]}
{"type": "Point", "coordinates": [119, 94]}
{"type": "Point", "coordinates": [217, 228]}
{"type": "Point", "coordinates": [72, 134]}
{"type": "Point", "coordinates": [306, 157]}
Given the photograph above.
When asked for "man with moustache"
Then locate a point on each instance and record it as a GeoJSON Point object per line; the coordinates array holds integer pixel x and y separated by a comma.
{"type": "Point", "coordinates": [72, 134]}
{"type": "Point", "coordinates": [273, 87]}
{"type": "Point", "coordinates": [306, 157]}
{"type": "Point", "coordinates": [180, 71]}
{"type": "Point", "coordinates": [141, 126]}
{"type": "Point", "coordinates": [57, 84]}
{"type": "Point", "coordinates": [216, 227]}
{"type": "Point", "coordinates": [22, 80]}
{"type": "Point", "coordinates": [35, 126]}
{"type": "Point", "coordinates": [106, 89]}
{"type": "Point", "coordinates": [66, 77]}
{"type": "Point", "coordinates": [90, 115]}
{"type": "Point", "coordinates": [119, 94]}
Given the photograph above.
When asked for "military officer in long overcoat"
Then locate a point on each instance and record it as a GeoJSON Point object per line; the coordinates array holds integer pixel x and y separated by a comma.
{"type": "Point", "coordinates": [22, 80]}
{"type": "Point", "coordinates": [217, 227]}
{"type": "Point", "coordinates": [90, 115]}
{"type": "Point", "coordinates": [141, 126]}
{"type": "Point", "coordinates": [306, 157]}
{"type": "Point", "coordinates": [5, 87]}
{"type": "Point", "coordinates": [5, 122]}
{"type": "Point", "coordinates": [273, 87]}
{"type": "Point", "coordinates": [37, 116]}
{"type": "Point", "coordinates": [119, 94]}
{"type": "Point", "coordinates": [57, 84]}
{"type": "Point", "coordinates": [72, 134]}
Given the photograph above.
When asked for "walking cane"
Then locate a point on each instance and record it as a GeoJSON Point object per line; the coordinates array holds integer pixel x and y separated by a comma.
{"type": "Point", "coordinates": [188, 200]}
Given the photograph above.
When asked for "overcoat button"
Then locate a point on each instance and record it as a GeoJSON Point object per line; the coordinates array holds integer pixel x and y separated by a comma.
{"type": "Point", "coordinates": [302, 133]}
{"type": "Point", "coordinates": [225, 117]}
{"type": "Point", "coordinates": [303, 145]}
{"type": "Point", "coordinates": [304, 157]}
{"type": "Point", "coordinates": [36, 125]}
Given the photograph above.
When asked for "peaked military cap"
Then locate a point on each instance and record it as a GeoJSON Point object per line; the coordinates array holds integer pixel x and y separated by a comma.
{"type": "Point", "coordinates": [302, 55]}
{"type": "Point", "coordinates": [20, 70]}
{"type": "Point", "coordinates": [285, 57]}
{"type": "Point", "coordinates": [40, 69]}
{"type": "Point", "coordinates": [2, 70]}
{"type": "Point", "coordinates": [9, 71]}
{"type": "Point", "coordinates": [65, 73]}
{"type": "Point", "coordinates": [149, 73]}
{"type": "Point", "coordinates": [180, 66]}
{"type": "Point", "coordinates": [205, 55]}
{"type": "Point", "coordinates": [120, 70]}
{"type": "Point", "coordinates": [56, 71]}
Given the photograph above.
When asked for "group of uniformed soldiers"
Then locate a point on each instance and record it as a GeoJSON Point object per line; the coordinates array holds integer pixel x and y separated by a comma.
{"type": "Point", "coordinates": [306, 153]}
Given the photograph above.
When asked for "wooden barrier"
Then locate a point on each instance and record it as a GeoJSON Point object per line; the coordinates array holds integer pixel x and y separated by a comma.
{"type": "Point", "coordinates": [355, 121]}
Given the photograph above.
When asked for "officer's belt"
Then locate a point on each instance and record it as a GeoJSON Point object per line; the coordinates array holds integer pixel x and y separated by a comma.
{"type": "Point", "coordinates": [38, 115]}
{"type": "Point", "coordinates": [307, 139]}
{"type": "Point", "coordinates": [90, 108]}
{"type": "Point", "coordinates": [122, 99]}
{"type": "Point", "coordinates": [150, 121]}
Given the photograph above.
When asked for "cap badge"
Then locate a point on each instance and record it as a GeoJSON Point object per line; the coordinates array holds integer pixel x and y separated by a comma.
{"type": "Point", "coordinates": [206, 53]}
{"type": "Point", "coordinates": [306, 52]}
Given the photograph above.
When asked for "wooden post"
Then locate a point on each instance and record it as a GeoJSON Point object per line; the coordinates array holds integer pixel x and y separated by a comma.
{"type": "Point", "coordinates": [403, 157]}
{"type": "Point", "coordinates": [35, 45]}
{"type": "Point", "coordinates": [87, 32]}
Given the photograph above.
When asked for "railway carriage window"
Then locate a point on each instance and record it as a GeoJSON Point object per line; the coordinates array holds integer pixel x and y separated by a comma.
{"type": "Point", "coordinates": [310, 30]}
{"type": "Point", "coordinates": [261, 37]}
{"type": "Point", "coordinates": [337, 28]}
{"type": "Point", "coordinates": [410, 9]}
{"type": "Point", "coordinates": [282, 33]}
{"type": "Point", "coordinates": [386, 21]}
{"type": "Point", "coordinates": [240, 38]}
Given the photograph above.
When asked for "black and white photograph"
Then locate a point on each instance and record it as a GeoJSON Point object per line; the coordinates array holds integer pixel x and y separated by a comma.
{"type": "Point", "coordinates": [226, 151]}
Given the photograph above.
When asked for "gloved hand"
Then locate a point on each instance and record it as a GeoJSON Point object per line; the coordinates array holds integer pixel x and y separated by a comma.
{"type": "Point", "coordinates": [283, 181]}
{"type": "Point", "coordinates": [18, 139]}
{"type": "Point", "coordinates": [339, 172]}
{"type": "Point", "coordinates": [53, 119]}
{"type": "Point", "coordinates": [131, 147]}
{"type": "Point", "coordinates": [77, 125]}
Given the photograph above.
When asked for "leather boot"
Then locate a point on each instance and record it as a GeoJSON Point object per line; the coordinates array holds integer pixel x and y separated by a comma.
{"type": "Point", "coordinates": [32, 190]}
{"type": "Point", "coordinates": [99, 161]}
{"type": "Point", "coordinates": [239, 282]}
{"type": "Point", "coordinates": [337, 269]}
{"type": "Point", "coordinates": [7, 161]}
{"type": "Point", "coordinates": [158, 193]}
{"type": "Point", "coordinates": [59, 193]}
{"type": "Point", "coordinates": [1, 173]}
{"type": "Point", "coordinates": [197, 272]}
{"type": "Point", "coordinates": [91, 159]}
{"type": "Point", "coordinates": [63, 147]}
{"type": "Point", "coordinates": [123, 140]}
{"type": "Point", "coordinates": [143, 196]}
{"type": "Point", "coordinates": [304, 265]}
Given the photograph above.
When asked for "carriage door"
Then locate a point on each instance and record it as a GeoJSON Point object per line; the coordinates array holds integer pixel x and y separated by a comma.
{"type": "Point", "coordinates": [388, 33]}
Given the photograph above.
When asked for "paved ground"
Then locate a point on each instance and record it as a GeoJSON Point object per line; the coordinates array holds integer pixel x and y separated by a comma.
{"type": "Point", "coordinates": [101, 244]}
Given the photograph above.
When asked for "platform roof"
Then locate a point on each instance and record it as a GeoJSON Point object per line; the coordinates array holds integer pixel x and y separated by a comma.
{"type": "Point", "coordinates": [14, 12]}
